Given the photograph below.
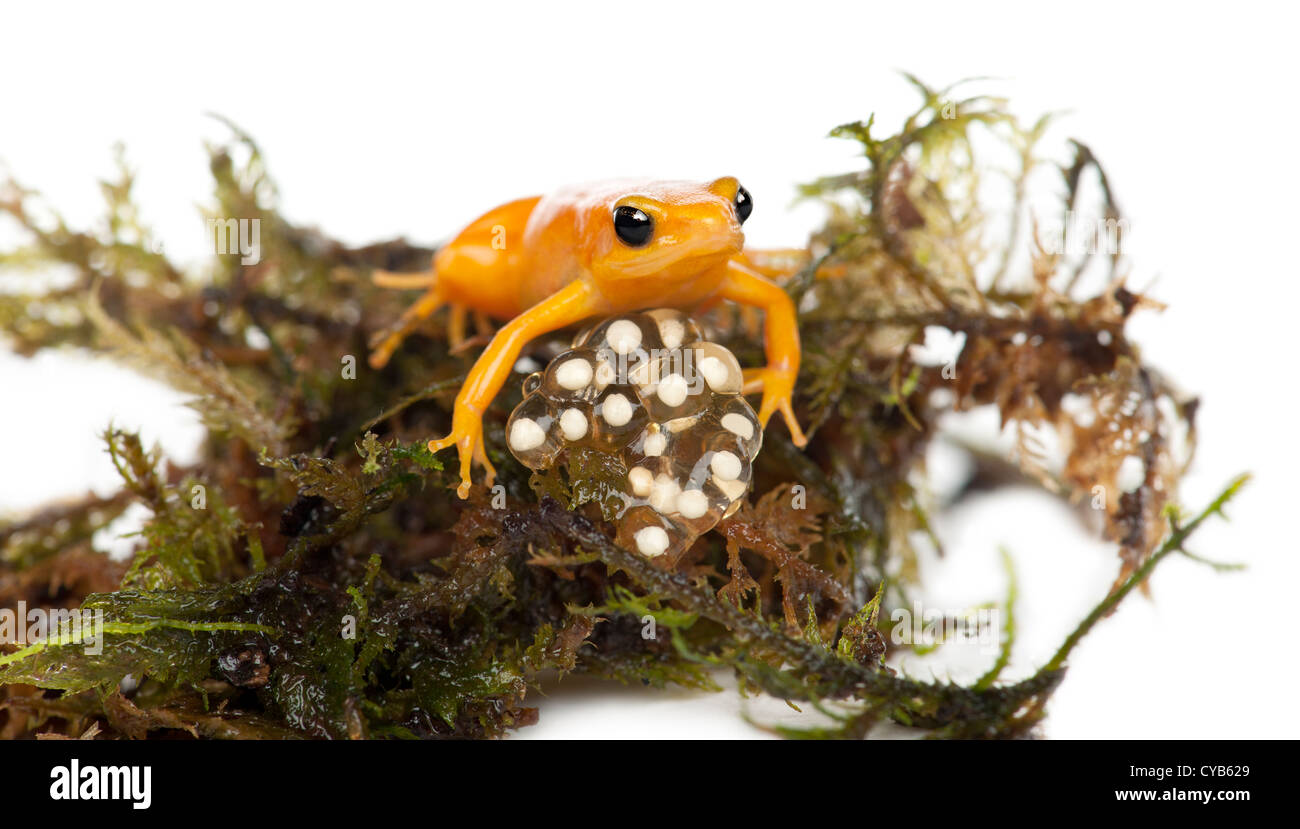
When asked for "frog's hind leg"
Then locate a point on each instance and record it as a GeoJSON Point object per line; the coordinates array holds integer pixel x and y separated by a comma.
{"type": "Point", "coordinates": [483, 324]}
{"type": "Point", "coordinates": [386, 341]}
{"type": "Point", "coordinates": [459, 339]}
{"type": "Point", "coordinates": [456, 326]}
{"type": "Point", "coordinates": [404, 281]}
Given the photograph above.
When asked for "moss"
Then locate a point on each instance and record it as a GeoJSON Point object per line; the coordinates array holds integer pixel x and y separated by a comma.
{"type": "Point", "coordinates": [328, 583]}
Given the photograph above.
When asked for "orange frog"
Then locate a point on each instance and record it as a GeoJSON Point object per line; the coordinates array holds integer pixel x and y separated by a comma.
{"type": "Point", "coordinates": [544, 263]}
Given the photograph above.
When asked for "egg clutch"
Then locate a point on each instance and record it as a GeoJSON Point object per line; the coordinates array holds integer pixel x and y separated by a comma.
{"type": "Point", "coordinates": [650, 389]}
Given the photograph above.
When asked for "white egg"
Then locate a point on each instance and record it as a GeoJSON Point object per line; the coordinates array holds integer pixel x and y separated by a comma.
{"type": "Point", "coordinates": [725, 466]}
{"type": "Point", "coordinates": [692, 503]}
{"type": "Point", "coordinates": [616, 410]}
{"type": "Point", "coordinates": [573, 424]}
{"type": "Point", "coordinates": [573, 374]}
{"type": "Point", "coordinates": [655, 444]}
{"type": "Point", "coordinates": [526, 435]}
{"type": "Point", "coordinates": [673, 390]}
{"type": "Point", "coordinates": [641, 480]}
{"type": "Point", "coordinates": [651, 541]}
{"type": "Point", "coordinates": [663, 494]}
{"type": "Point", "coordinates": [624, 336]}
{"type": "Point", "coordinates": [672, 332]}
{"type": "Point", "coordinates": [715, 372]}
{"type": "Point", "coordinates": [738, 425]}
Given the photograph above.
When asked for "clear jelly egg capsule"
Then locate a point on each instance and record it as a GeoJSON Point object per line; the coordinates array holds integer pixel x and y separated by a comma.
{"type": "Point", "coordinates": [730, 472]}
{"type": "Point", "coordinates": [584, 334]}
{"type": "Point", "coordinates": [653, 442]}
{"type": "Point", "coordinates": [606, 371]}
{"type": "Point", "coordinates": [725, 494]}
{"type": "Point", "coordinates": [533, 432]}
{"type": "Point", "coordinates": [624, 334]}
{"type": "Point", "coordinates": [651, 534]}
{"type": "Point", "coordinates": [718, 369]}
{"type": "Point", "coordinates": [643, 370]}
{"type": "Point", "coordinates": [533, 382]}
{"type": "Point", "coordinates": [675, 328]}
{"type": "Point", "coordinates": [571, 376]}
{"type": "Point", "coordinates": [680, 391]}
{"type": "Point", "coordinates": [655, 482]}
{"type": "Point", "coordinates": [617, 417]}
{"type": "Point", "coordinates": [681, 425]}
{"type": "Point", "coordinates": [737, 496]}
{"type": "Point", "coordinates": [735, 417]}
{"type": "Point", "coordinates": [700, 438]}
{"type": "Point", "coordinates": [717, 457]}
{"type": "Point", "coordinates": [664, 489]}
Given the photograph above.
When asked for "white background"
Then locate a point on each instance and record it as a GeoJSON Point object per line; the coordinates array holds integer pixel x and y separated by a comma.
{"type": "Point", "coordinates": [382, 120]}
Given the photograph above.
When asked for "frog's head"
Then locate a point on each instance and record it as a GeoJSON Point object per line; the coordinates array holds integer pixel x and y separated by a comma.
{"type": "Point", "coordinates": [669, 230]}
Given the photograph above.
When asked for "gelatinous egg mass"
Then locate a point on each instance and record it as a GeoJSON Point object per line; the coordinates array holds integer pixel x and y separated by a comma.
{"type": "Point", "coordinates": [650, 389]}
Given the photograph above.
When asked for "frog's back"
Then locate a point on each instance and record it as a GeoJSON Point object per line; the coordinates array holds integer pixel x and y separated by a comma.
{"type": "Point", "coordinates": [482, 266]}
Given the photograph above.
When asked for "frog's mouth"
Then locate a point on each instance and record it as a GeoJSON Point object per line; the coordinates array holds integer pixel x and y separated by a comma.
{"type": "Point", "coordinates": [672, 256]}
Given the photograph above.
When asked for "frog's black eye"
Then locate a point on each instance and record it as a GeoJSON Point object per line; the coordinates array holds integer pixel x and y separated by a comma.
{"type": "Point", "coordinates": [744, 204]}
{"type": "Point", "coordinates": [633, 226]}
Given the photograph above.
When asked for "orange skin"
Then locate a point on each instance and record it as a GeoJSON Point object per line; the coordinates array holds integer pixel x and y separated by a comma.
{"type": "Point", "coordinates": [545, 263]}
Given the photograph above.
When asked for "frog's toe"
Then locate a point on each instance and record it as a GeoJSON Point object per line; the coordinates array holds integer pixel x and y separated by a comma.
{"type": "Point", "coordinates": [439, 444]}
{"type": "Point", "coordinates": [469, 449]}
{"type": "Point", "coordinates": [797, 436]}
{"type": "Point", "coordinates": [489, 471]}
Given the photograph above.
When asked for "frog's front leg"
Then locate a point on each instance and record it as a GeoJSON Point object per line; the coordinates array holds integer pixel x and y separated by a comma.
{"type": "Point", "coordinates": [780, 340]}
{"type": "Point", "coordinates": [573, 303]}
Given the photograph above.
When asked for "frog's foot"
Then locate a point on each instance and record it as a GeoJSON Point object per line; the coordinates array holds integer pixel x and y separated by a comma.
{"type": "Point", "coordinates": [777, 386]}
{"type": "Point", "coordinates": [386, 341]}
{"type": "Point", "coordinates": [383, 344]}
{"type": "Point", "coordinates": [467, 436]}
{"type": "Point", "coordinates": [484, 330]}
{"type": "Point", "coordinates": [403, 281]}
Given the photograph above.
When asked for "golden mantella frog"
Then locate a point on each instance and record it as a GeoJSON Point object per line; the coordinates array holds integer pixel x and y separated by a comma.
{"type": "Point", "coordinates": [544, 263]}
